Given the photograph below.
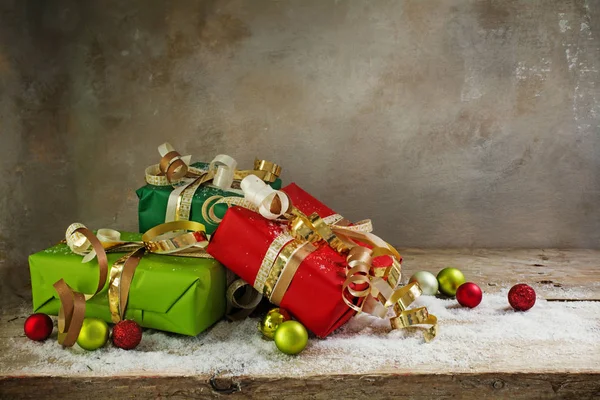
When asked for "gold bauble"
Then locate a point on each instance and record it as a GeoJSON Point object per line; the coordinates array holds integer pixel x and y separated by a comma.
{"type": "Point", "coordinates": [272, 320]}
{"type": "Point", "coordinates": [93, 334]}
{"type": "Point", "coordinates": [450, 279]}
{"type": "Point", "coordinates": [291, 337]}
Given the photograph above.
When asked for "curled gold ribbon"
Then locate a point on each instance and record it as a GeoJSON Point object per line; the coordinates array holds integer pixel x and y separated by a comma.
{"type": "Point", "coordinates": [72, 308]}
{"type": "Point", "coordinates": [174, 169]}
{"type": "Point", "coordinates": [71, 313]}
{"type": "Point", "coordinates": [121, 276]}
{"type": "Point", "coordinates": [245, 302]}
{"type": "Point", "coordinates": [365, 288]}
{"type": "Point", "coordinates": [208, 212]}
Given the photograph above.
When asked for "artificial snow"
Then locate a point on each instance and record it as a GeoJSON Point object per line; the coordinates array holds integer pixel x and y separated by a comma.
{"type": "Point", "coordinates": [467, 338]}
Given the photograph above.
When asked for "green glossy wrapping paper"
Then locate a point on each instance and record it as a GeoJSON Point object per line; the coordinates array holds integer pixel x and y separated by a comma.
{"type": "Point", "coordinates": [153, 200]}
{"type": "Point", "coordinates": [176, 294]}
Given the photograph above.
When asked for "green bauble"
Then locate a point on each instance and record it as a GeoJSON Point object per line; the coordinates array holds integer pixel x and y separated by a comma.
{"type": "Point", "coordinates": [291, 337]}
{"type": "Point", "coordinates": [449, 280]}
{"type": "Point", "coordinates": [427, 281]}
{"type": "Point", "coordinates": [93, 334]}
{"type": "Point", "coordinates": [269, 324]}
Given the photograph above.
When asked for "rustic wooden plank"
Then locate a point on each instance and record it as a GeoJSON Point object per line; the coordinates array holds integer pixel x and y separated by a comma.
{"type": "Point", "coordinates": [575, 272]}
{"type": "Point", "coordinates": [372, 386]}
{"type": "Point", "coordinates": [506, 377]}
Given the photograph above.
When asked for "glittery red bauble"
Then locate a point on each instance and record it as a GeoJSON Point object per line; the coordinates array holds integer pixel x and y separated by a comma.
{"type": "Point", "coordinates": [38, 326]}
{"type": "Point", "coordinates": [521, 297]}
{"type": "Point", "coordinates": [127, 335]}
{"type": "Point", "coordinates": [469, 294]}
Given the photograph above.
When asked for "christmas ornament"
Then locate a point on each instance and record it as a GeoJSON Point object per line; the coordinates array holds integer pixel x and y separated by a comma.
{"type": "Point", "coordinates": [38, 327]}
{"type": "Point", "coordinates": [521, 297]}
{"type": "Point", "coordinates": [93, 334]}
{"type": "Point", "coordinates": [272, 320]}
{"type": "Point", "coordinates": [469, 295]}
{"type": "Point", "coordinates": [291, 337]}
{"type": "Point", "coordinates": [127, 335]}
{"type": "Point", "coordinates": [449, 280]}
{"type": "Point", "coordinates": [427, 281]}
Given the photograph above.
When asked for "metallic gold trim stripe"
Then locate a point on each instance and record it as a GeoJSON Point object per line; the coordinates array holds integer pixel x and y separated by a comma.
{"type": "Point", "coordinates": [288, 272]}
{"type": "Point", "coordinates": [269, 259]}
{"type": "Point", "coordinates": [154, 176]}
{"type": "Point", "coordinates": [332, 219]}
{"type": "Point", "coordinates": [208, 208]}
{"type": "Point", "coordinates": [184, 204]}
{"type": "Point", "coordinates": [114, 288]}
{"type": "Point", "coordinates": [282, 259]}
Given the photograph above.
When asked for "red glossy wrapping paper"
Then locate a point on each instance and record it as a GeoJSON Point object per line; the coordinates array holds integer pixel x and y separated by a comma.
{"type": "Point", "coordinates": [306, 203]}
{"type": "Point", "coordinates": [314, 296]}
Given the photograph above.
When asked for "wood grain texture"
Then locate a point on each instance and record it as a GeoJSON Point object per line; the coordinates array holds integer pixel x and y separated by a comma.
{"type": "Point", "coordinates": [575, 272]}
{"type": "Point", "coordinates": [573, 377]}
{"type": "Point", "coordinates": [372, 386]}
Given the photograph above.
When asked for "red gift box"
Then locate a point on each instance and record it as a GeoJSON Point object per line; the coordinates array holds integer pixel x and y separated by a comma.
{"type": "Point", "coordinates": [314, 295]}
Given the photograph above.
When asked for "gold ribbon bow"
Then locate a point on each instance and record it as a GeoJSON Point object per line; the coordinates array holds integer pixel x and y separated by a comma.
{"type": "Point", "coordinates": [366, 289]}
{"type": "Point", "coordinates": [162, 239]}
{"type": "Point", "coordinates": [174, 170]}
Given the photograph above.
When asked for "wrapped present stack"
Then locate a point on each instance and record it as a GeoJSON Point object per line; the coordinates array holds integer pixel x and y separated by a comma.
{"type": "Point", "coordinates": [217, 241]}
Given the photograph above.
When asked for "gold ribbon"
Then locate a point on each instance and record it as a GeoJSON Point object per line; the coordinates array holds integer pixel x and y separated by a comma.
{"type": "Point", "coordinates": [163, 239]}
{"type": "Point", "coordinates": [174, 170]}
{"type": "Point", "coordinates": [242, 296]}
{"type": "Point", "coordinates": [366, 289]}
{"type": "Point", "coordinates": [279, 265]}
{"type": "Point", "coordinates": [72, 309]}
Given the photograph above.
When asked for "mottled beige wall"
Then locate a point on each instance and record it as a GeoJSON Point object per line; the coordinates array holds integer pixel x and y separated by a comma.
{"type": "Point", "coordinates": [448, 122]}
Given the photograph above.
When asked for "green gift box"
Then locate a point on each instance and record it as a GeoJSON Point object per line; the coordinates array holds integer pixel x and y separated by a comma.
{"type": "Point", "coordinates": [183, 295]}
{"type": "Point", "coordinates": [153, 201]}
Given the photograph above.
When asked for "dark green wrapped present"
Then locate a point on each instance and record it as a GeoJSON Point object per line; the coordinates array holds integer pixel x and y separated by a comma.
{"type": "Point", "coordinates": [183, 295]}
{"type": "Point", "coordinates": [175, 191]}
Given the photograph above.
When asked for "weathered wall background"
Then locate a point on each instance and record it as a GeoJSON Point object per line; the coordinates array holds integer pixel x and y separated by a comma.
{"type": "Point", "coordinates": [448, 122]}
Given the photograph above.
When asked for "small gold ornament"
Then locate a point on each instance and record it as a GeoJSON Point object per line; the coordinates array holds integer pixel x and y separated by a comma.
{"type": "Point", "coordinates": [93, 334]}
{"type": "Point", "coordinates": [272, 320]}
{"type": "Point", "coordinates": [291, 337]}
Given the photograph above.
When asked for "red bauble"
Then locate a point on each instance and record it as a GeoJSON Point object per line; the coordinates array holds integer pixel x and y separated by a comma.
{"type": "Point", "coordinates": [127, 335]}
{"type": "Point", "coordinates": [469, 294]}
{"type": "Point", "coordinates": [38, 327]}
{"type": "Point", "coordinates": [521, 297]}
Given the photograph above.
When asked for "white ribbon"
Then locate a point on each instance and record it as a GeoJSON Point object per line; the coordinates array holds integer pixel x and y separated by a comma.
{"type": "Point", "coordinates": [262, 196]}
{"type": "Point", "coordinates": [79, 244]}
{"type": "Point", "coordinates": [174, 198]}
{"type": "Point", "coordinates": [224, 167]}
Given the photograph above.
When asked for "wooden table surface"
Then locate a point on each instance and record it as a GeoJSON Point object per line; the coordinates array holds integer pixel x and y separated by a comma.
{"type": "Point", "coordinates": [557, 275]}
